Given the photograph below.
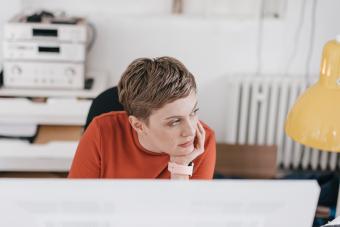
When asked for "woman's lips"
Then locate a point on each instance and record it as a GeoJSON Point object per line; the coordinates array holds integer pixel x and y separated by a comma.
{"type": "Point", "coordinates": [187, 144]}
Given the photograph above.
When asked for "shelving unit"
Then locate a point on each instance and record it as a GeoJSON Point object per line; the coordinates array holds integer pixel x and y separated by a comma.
{"type": "Point", "coordinates": [60, 108]}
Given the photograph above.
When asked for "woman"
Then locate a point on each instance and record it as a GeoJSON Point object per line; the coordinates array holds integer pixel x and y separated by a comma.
{"type": "Point", "coordinates": [157, 136]}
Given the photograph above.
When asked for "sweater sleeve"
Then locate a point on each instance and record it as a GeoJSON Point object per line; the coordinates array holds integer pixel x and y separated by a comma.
{"type": "Point", "coordinates": [205, 163]}
{"type": "Point", "coordinates": [87, 159]}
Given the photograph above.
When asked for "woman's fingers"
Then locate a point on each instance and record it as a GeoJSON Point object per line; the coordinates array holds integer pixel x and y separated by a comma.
{"type": "Point", "coordinates": [199, 146]}
{"type": "Point", "coordinates": [201, 137]}
{"type": "Point", "coordinates": [198, 137]}
{"type": "Point", "coordinates": [202, 131]}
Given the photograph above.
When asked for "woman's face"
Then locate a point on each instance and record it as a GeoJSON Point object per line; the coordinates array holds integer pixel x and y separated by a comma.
{"type": "Point", "coordinates": [172, 128]}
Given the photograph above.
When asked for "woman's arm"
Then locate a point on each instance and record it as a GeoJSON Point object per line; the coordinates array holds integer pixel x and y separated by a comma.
{"type": "Point", "coordinates": [86, 162]}
{"type": "Point", "coordinates": [205, 164]}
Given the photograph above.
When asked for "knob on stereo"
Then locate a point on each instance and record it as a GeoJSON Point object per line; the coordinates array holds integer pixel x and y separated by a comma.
{"type": "Point", "coordinates": [16, 70]}
{"type": "Point", "coordinates": [70, 72]}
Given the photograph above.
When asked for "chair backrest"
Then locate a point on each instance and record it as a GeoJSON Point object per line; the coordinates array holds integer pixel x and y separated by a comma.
{"type": "Point", "coordinates": [105, 102]}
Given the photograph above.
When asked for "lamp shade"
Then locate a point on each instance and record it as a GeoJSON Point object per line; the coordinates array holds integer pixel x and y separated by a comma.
{"type": "Point", "coordinates": [314, 119]}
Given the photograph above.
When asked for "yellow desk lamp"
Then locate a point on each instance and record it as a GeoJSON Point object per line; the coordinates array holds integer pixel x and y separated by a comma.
{"type": "Point", "coordinates": [314, 119]}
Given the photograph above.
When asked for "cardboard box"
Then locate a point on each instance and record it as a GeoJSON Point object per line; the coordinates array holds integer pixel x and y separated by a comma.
{"type": "Point", "coordinates": [246, 161]}
{"type": "Point", "coordinates": [47, 133]}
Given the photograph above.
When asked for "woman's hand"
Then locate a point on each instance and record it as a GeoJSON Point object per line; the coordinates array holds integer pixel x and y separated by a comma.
{"type": "Point", "coordinates": [198, 148]}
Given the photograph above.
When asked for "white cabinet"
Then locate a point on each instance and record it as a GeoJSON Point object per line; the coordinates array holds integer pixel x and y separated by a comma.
{"type": "Point", "coordinates": [55, 111]}
{"type": "Point", "coordinates": [22, 156]}
{"type": "Point", "coordinates": [60, 108]}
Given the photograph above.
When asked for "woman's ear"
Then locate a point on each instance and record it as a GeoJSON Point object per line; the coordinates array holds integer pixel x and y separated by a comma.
{"type": "Point", "coordinates": [137, 124]}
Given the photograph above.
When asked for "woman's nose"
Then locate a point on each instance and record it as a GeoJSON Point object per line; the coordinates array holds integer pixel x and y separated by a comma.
{"type": "Point", "coordinates": [189, 129]}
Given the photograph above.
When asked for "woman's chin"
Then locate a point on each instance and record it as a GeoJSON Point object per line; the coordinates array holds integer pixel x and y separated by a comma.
{"type": "Point", "coordinates": [184, 151]}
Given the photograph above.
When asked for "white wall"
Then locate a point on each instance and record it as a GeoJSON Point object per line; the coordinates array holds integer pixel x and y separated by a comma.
{"type": "Point", "coordinates": [209, 44]}
{"type": "Point", "coordinates": [7, 10]}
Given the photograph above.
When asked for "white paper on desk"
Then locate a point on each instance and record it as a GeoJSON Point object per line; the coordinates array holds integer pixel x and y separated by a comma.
{"type": "Point", "coordinates": [106, 203]}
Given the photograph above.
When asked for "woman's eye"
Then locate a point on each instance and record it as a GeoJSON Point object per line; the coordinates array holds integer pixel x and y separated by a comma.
{"type": "Point", "coordinates": [173, 123]}
{"type": "Point", "coordinates": [194, 112]}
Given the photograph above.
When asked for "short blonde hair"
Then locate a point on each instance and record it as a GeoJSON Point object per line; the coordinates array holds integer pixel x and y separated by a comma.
{"type": "Point", "coordinates": [148, 84]}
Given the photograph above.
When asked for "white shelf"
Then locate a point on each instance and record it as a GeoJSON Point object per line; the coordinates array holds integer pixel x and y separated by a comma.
{"type": "Point", "coordinates": [56, 111]}
{"type": "Point", "coordinates": [99, 85]}
{"type": "Point", "coordinates": [62, 107]}
{"type": "Point", "coordinates": [18, 155]}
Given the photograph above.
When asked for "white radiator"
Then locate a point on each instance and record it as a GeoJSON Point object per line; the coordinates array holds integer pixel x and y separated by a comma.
{"type": "Point", "coordinates": [257, 109]}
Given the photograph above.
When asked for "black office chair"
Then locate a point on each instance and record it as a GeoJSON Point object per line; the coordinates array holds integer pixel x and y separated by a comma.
{"type": "Point", "coordinates": [105, 102]}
